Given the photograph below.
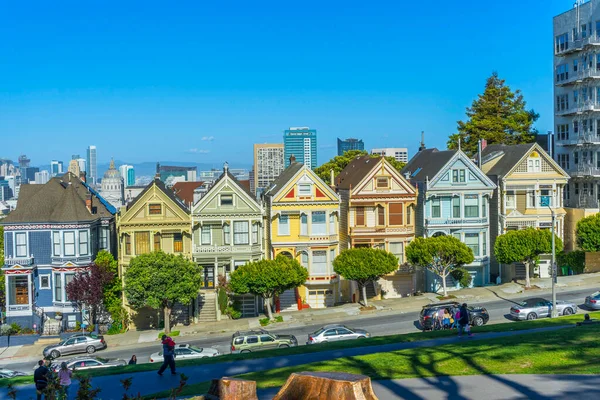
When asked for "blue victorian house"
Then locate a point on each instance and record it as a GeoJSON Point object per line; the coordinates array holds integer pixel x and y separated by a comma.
{"type": "Point", "coordinates": [453, 199]}
{"type": "Point", "coordinates": [56, 230]}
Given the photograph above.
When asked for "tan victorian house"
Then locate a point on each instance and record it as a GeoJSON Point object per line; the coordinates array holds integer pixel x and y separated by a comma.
{"type": "Point", "coordinates": [377, 210]}
{"type": "Point", "coordinates": [529, 188]}
{"type": "Point", "coordinates": [155, 220]}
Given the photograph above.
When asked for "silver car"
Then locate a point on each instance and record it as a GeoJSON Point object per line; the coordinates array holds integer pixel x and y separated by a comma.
{"type": "Point", "coordinates": [78, 343]}
{"type": "Point", "coordinates": [537, 307]}
{"type": "Point", "coordinates": [9, 373]}
{"type": "Point", "coordinates": [186, 352]}
{"type": "Point", "coordinates": [334, 333]}
{"type": "Point", "coordinates": [83, 363]}
{"type": "Point", "coordinates": [593, 301]}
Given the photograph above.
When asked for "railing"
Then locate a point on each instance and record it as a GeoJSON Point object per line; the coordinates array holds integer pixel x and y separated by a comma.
{"type": "Point", "coordinates": [75, 260]}
{"type": "Point", "coordinates": [577, 45]}
{"type": "Point", "coordinates": [19, 307]}
{"type": "Point", "coordinates": [226, 248]}
{"type": "Point", "coordinates": [322, 238]}
{"type": "Point", "coordinates": [374, 229]}
{"type": "Point", "coordinates": [456, 221]}
{"type": "Point", "coordinates": [586, 138]}
{"type": "Point", "coordinates": [24, 261]}
{"type": "Point", "coordinates": [585, 170]}
{"type": "Point", "coordinates": [580, 107]}
{"type": "Point", "coordinates": [582, 74]}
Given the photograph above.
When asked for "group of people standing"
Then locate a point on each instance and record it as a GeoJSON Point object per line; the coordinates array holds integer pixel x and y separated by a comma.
{"type": "Point", "coordinates": [453, 317]}
{"type": "Point", "coordinates": [43, 375]}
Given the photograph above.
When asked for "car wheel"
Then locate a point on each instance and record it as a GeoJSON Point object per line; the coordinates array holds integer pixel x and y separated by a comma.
{"type": "Point", "coordinates": [478, 321]}
{"type": "Point", "coordinates": [55, 354]}
{"type": "Point", "coordinates": [90, 349]}
{"type": "Point", "coordinates": [531, 316]}
{"type": "Point", "coordinates": [245, 351]}
{"type": "Point", "coordinates": [567, 311]}
{"type": "Point", "coordinates": [361, 337]}
{"type": "Point", "coordinates": [283, 346]}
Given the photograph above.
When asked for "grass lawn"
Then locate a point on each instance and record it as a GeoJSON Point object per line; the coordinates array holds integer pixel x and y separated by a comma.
{"type": "Point", "coordinates": [379, 340]}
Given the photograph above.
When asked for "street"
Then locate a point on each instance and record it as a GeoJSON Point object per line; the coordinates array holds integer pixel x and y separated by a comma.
{"type": "Point", "coordinates": [384, 323]}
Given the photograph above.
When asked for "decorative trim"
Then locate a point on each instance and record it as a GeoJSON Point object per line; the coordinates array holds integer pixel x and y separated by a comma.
{"type": "Point", "coordinates": [44, 227]}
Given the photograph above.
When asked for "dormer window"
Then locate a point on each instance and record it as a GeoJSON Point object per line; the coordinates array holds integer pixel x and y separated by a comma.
{"type": "Point", "coordinates": [383, 182]}
{"type": "Point", "coordinates": [226, 200]}
{"type": "Point", "coordinates": [304, 189]}
{"type": "Point", "coordinates": [458, 175]}
{"type": "Point", "coordinates": [155, 209]}
{"type": "Point", "coordinates": [534, 163]}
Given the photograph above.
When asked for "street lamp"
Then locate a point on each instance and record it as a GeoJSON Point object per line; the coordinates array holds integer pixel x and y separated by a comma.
{"type": "Point", "coordinates": [545, 200]}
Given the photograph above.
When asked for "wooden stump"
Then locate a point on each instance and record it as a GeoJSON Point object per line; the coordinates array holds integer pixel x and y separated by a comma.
{"type": "Point", "coordinates": [326, 385]}
{"type": "Point", "coordinates": [233, 389]}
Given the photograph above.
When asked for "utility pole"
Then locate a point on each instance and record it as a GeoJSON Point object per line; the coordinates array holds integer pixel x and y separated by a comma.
{"type": "Point", "coordinates": [553, 266]}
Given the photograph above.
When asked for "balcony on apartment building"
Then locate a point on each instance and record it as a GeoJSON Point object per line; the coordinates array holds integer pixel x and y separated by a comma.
{"type": "Point", "coordinates": [579, 108]}
{"type": "Point", "coordinates": [588, 138]}
{"type": "Point", "coordinates": [584, 169]}
{"type": "Point", "coordinates": [568, 78]}
{"type": "Point", "coordinates": [568, 47]}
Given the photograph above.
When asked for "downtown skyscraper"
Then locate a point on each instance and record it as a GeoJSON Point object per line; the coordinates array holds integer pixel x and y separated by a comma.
{"type": "Point", "coordinates": [302, 144]}
{"type": "Point", "coordinates": [92, 165]}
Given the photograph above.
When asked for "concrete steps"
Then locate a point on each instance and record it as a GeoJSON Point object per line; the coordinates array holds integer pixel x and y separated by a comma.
{"type": "Point", "coordinates": [207, 306]}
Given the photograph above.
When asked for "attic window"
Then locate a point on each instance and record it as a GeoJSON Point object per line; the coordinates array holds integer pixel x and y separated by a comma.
{"type": "Point", "coordinates": [226, 200]}
{"type": "Point", "coordinates": [383, 182]}
{"type": "Point", "coordinates": [533, 164]}
{"type": "Point", "coordinates": [304, 189]}
{"type": "Point", "coordinates": [155, 209]}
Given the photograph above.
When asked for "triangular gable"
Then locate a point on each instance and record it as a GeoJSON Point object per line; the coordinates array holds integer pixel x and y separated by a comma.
{"type": "Point", "coordinates": [290, 193]}
{"type": "Point", "coordinates": [546, 159]}
{"type": "Point", "coordinates": [444, 174]}
{"type": "Point", "coordinates": [154, 194]}
{"type": "Point", "coordinates": [220, 186]}
{"type": "Point", "coordinates": [398, 184]}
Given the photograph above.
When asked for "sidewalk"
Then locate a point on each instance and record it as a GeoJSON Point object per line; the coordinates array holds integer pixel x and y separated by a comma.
{"type": "Point", "coordinates": [148, 382]}
{"type": "Point", "coordinates": [338, 313]}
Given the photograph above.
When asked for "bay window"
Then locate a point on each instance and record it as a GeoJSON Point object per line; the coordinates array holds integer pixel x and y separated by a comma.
{"type": "Point", "coordinates": [205, 234]}
{"type": "Point", "coordinates": [21, 244]}
{"type": "Point", "coordinates": [56, 244]}
{"type": "Point", "coordinates": [83, 243]}
{"type": "Point", "coordinates": [436, 210]}
{"type": "Point", "coordinates": [240, 232]}
{"type": "Point", "coordinates": [360, 216]}
{"type": "Point", "coordinates": [396, 217]}
{"type": "Point", "coordinates": [58, 287]}
{"type": "Point", "coordinates": [142, 242]}
{"type": "Point", "coordinates": [178, 243]}
{"type": "Point", "coordinates": [226, 234]}
{"type": "Point", "coordinates": [319, 225]}
{"type": "Point", "coordinates": [471, 206]}
{"type": "Point", "coordinates": [380, 216]}
{"type": "Point", "coordinates": [456, 207]}
{"type": "Point", "coordinates": [332, 230]}
{"type": "Point", "coordinates": [397, 249]}
{"type": "Point", "coordinates": [303, 224]}
{"type": "Point", "coordinates": [304, 259]}
{"type": "Point", "coordinates": [284, 225]}
{"type": "Point", "coordinates": [69, 243]}
{"type": "Point", "coordinates": [156, 243]}
{"type": "Point", "coordinates": [472, 242]}
{"type": "Point", "coordinates": [319, 263]}
{"type": "Point", "coordinates": [255, 233]}
{"type": "Point", "coordinates": [511, 201]}
{"type": "Point", "coordinates": [18, 289]}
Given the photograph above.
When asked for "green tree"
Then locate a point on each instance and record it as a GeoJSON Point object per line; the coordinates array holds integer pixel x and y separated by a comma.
{"type": "Point", "coordinates": [159, 280]}
{"type": "Point", "coordinates": [525, 246]}
{"type": "Point", "coordinates": [440, 255]}
{"type": "Point", "coordinates": [364, 265]}
{"type": "Point", "coordinates": [268, 278]}
{"type": "Point", "coordinates": [588, 233]}
{"type": "Point", "coordinates": [113, 290]}
{"type": "Point", "coordinates": [338, 163]}
{"type": "Point", "coordinates": [499, 116]}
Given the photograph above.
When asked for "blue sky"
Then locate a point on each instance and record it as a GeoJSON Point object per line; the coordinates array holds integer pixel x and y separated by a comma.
{"type": "Point", "coordinates": [202, 81]}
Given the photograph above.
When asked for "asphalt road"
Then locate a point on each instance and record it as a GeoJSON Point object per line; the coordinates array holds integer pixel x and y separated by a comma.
{"type": "Point", "coordinates": [384, 323]}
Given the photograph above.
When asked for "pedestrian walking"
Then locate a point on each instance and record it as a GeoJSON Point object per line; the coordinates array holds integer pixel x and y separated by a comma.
{"type": "Point", "coordinates": [133, 360]}
{"type": "Point", "coordinates": [64, 378]}
{"type": "Point", "coordinates": [168, 355]}
{"type": "Point", "coordinates": [40, 378]}
{"type": "Point", "coordinates": [464, 321]}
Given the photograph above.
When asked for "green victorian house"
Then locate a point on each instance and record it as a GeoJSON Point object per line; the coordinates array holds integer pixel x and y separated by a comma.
{"type": "Point", "coordinates": [226, 233]}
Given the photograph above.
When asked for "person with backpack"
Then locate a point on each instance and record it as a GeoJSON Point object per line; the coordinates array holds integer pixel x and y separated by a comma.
{"type": "Point", "coordinates": [168, 355]}
{"type": "Point", "coordinates": [464, 321]}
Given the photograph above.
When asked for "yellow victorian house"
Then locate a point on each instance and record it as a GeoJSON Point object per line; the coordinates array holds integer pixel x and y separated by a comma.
{"type": "Point", "coordinates": [302, 215]}
{"type": "Point", "coordinates": [155, 220]}
{"type": "Point", "coordinates": [530, 187]}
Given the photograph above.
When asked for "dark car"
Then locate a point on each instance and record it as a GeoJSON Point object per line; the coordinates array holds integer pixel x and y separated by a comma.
{"type": "Point", "coordinates": [477, 315]}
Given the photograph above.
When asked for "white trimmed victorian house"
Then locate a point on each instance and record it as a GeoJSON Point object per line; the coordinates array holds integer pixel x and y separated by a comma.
{"type": "Point", "coordinates": [55, 231]}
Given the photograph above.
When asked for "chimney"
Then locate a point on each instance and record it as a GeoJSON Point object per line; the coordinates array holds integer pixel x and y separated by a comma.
{"type": "Point", "coordinates": [331, 178]}
{"type": "Point", "coordinates": [88, 202]}
{"type": "Point", "coordinates": [407, 175]}
{"type": "Point", "coordinates": [422, 146]}
{"type": "Point", "coordinates": [292, 159]}
{"type": "Point", "coordinates": [83, 176]}
{"type": "Point", "coordinates": [225, 166]}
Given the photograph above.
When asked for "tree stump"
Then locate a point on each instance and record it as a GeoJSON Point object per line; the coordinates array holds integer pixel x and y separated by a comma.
{"type": "Point", "coordinates": [233, 389]}
{"type": "Point", "coordinates": [326, 385]}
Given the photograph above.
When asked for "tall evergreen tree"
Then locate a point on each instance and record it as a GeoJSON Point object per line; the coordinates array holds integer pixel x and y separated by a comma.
{"type": "Point", "coordinates": [498, 115]}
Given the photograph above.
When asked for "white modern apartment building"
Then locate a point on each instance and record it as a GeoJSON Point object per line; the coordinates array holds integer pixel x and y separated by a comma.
{"type": "Point", "coordinates": [399, 153]}
{"type": "Point", "coordinates": [268, 164]}
{"type": "Point", "coordinates": [42, 177]}
{"type": "Point", "coordinates": [577, 101]}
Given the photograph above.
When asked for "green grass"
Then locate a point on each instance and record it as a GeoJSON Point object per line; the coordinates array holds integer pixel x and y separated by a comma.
{"type": "Point", "coordinates": [379, 340]}
{"type": "Point", "coordinates": [266, 321]}
{"type": "Point", "coordinates": [172, 334]}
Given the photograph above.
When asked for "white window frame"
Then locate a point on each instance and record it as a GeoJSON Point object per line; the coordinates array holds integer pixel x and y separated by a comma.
{"type": "Point", "coordinates": [313, 270]}
{"type": "Point", "coordinates": [226, 234]}
{"type": "Point", "coordinates": [21, 246]}
{"type": "Point", "coordinates": [304, 189]}
{"type": "Point", "coordinates": [65, 244]}
{"type": "Point", "coordinates": [534, 165]}
{"type": "Point", "coordinates": [45, 287]}
{"type": "Point", "coordinates": [398, 254]}
{"type": "Point", "coordinates": [283, 229]}
{"type": "Point", "coordinates": [332, 230]}
{"type": "Point", "coordinates": [57, 277]}
{"type": "Point", "coordinates": [321, 226]}
{"type": "Point", "coordinates": [84, 246]}
{"type": "Point", "coordinates": [204, 230]}
{"type": "Point", "coordinates": [56, 242]}
{"type": "Point", "coordinates": [474, 235]}
{"type": "Point", "coordinates": [226, 196]}
{"type": "Point", "coordinates": [304, 259]}
{"type": "Point", "coordinates": [255, 233]}
{"type": "Point", "coordinates": [303, 224]}
{"type": "Point", "coordinates": [241, 231]}
{"type": "Point", "coordinates": [511, 204]}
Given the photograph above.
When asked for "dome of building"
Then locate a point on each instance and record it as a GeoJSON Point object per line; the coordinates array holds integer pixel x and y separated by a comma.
{"type": "Point", "coordinates": [112, 172]}
{"type": "Point", "coordinates": [112, 186]}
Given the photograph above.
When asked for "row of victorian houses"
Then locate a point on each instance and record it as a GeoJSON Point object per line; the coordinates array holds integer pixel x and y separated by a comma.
{"type": "Point", "coordinates": [58, 228]}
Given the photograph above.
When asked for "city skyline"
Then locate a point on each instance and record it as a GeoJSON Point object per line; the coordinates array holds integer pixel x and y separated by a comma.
{"type": "Point", "coordinates": [132, 88]}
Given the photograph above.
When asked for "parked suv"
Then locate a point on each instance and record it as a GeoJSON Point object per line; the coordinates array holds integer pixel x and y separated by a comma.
{"type": "Point", "coordinates": [477, 315]}
{"type": "Point", "coordinates": [245, 342]}
{"type": "Point", "coordinates": [78, 343]}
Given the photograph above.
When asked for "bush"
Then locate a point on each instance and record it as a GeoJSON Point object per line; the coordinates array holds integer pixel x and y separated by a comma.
{"type": "Point", "coordinates": [115, 329]}
{"type": "Point", "coordinates": [173, 333]}
{"type": "Point", "coordinates": [223, 300]}
{"type": "Point", "coordinates": [234, 310]}
{"type": "Point", "coordinates": [574, 259]}
{"type": "Point", "coordinates": [16, 328]}
{"type": "Point", "coordinates": [462, 276]}
{"type": "Point", "coordinates": [264, 321]}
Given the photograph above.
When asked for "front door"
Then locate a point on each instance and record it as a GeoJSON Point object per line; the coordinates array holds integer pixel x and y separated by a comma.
{"type": "Point", "coordinates": [209, 276]}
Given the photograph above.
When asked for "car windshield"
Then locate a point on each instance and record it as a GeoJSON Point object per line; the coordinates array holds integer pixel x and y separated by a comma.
{"type": "Point", "coordinates": [595, 296]}
{"type": "Point", "coordinates": [196, 349]}
{"type": "Point", "coordinates": [102, 360]}
{"type": "Point", "coordinates": [317, 333]}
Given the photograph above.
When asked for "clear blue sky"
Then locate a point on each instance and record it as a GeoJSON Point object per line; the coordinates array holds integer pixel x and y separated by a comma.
{"type": "Point", "coordinates": [202, 81]}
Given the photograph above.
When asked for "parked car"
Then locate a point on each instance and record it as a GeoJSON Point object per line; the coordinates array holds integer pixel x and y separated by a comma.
{"type": "Point", "coordinates": [538, 307]}
{"type": "Point", "coordinates": [593, 301]}
{"type": "Point", "coordinates": [478, 316]}
{"type": "Point", "coordinates": [336, 332]}
{"type": "Point", "coordinates": [9, 373]}
{"type": "Point", "coordinates": [86, 362]}
{"type": "Point", "coordinates": [186, 352]}
{"type": "Point", "coordinates": [245, 342]}
{"type": "Point", "coordinates": [78, 343]}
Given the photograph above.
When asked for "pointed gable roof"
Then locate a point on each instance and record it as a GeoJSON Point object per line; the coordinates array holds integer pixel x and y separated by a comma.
{"type": "Point", "coordinates": [509, 156]}
{"type": "Point", "coordinates": [61, 199]}
{"type": "Point", "coordinates": [160, 186]}
{"type": "Point", "coordinates": [355, 171]}
{"type": "Point", "coordinates": [283, 178]}
{"type": "Point", "coordinates": [229, 176]}
{"type": "Point", "coordinates": [426, 164]}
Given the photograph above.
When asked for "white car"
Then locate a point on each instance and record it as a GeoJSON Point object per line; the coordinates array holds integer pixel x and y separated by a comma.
{"type": "Point", "coordinates": [187, 352]}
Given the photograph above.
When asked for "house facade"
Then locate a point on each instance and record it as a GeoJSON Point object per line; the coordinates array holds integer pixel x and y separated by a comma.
{"type": "Point", "coordinates": [454, 199]}
{"type": "Point", "coordinates": [155, 220]}
{"type": "Point", "coordinates": [55, 232]}
{"type": "Point", "coordinates": [302, 215]}
{"type": "Point", "coordinates": [530, 187]}
{"type": "Point", "coordinates": [227, 233]}
{"type": "Point", "coordinates": [377, 210]}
